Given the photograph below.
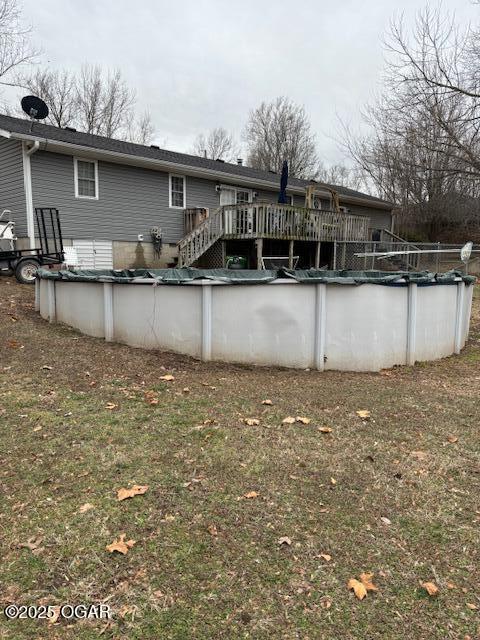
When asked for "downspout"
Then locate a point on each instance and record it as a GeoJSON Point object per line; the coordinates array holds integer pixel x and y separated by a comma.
{"type": "Point", "coordinates": [27, 182]}
{"type": "Point", "coordinates": [392, 222]}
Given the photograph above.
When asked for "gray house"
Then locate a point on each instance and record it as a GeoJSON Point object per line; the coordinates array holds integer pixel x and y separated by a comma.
{"type": "Point", "coordinates": [111, 194]}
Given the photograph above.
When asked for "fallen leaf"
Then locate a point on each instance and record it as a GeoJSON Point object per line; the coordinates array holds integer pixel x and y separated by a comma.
{"type": "Point", "coordinates": [472, 606]}
{"type": "Point", "coordinates": [127, 610]}
{"type": "Point", "coordinates": [150, 397]}
{"type": "Point", "coordinates": [358, 588]}
{"type": "Point", "coordinates": [289, 420]}
{"type": "Point", "coordinates": [121, 545]}
{"type": "Point", "coordinates": [303, 420]}
{"type": "Point", "coordinates": [33, 544]}
{"type": "Point", "coordinates": [169, 517]}
{"type": "Point", "coordinates": [284, 540]}
{"type": "Point", "coordinates": [86, 507]}
{"type": "Point", "coordinates": [452, 439]}
{"type": "Point", "coordinates": [269, 402]}
{"type": "Point", "coordinates": [325, 603]}
{"type": "Point", "coordinates": [326, 557]}
{"type": "Point", "coordinates": [385, 520]}
{"type": "Point", "coordinates": [38, 427]}
{"type": "Point", "coordinates": [418, 455]}
{"type": "Point", "coordinates": [53, 614]}
{"type": "Point", "coordinates": [14, 344]}
{"type": "Point", "coordinates": [111, 406]}
{"type": "Point", "coordinates": [47, 367]}
{"type": "Point", "coordinates": [136, 490]}
{"type": "Point", "coordinates": [364, 414]}
{"type": "Point", "coordinates": [333, 482]}
{"type": "Point", "coordinates": [430, 587]}
{"type": "Point", "coordinates": [212, 530]}
{"type": "Point", "coordinates": [251, 422]}
{"type": "Point", "coordinates": [250, 495]}
{"type": "Point", "coordinates": [451, 585]}
{"type": "Point", "coordinates": [366, 579]}
{"type": "Point", "coordinates": [325, 429]}
{"type": "Point", "coordinates": [186, 390]}
{"type": "Point", "coordinates": [168, 377]}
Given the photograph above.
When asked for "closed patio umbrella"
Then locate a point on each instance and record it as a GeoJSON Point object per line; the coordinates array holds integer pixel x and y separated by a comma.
{"type": "Point", "coordinates": [282, 196]}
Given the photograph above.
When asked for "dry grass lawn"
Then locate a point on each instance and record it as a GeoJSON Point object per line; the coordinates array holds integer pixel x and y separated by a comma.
{"type": "Point", "coordinates": [396, 495]}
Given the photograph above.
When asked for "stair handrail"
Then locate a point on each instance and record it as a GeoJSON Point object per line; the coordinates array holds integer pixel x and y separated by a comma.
{"type": "Point", "coordinates": [398, 238]}
{"type": "Point", "coordinates": [412, 260]}
{"type": "Point", "coordinates": [200, 238]}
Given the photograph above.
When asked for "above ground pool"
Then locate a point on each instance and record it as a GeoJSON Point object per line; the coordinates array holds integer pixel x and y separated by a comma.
{"type": "Point", "coordinates": [343, 320]}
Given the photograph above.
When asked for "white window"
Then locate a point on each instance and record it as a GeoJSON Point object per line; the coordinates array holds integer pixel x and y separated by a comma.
{"type": "Point", "coordinates": [243, 196]}
{"type": "Point", "coordinates": [234, 195]}
{"type": "Point", "coordinates": [86, 178]}
{"type": "Point", "coordinates": [177, 192]}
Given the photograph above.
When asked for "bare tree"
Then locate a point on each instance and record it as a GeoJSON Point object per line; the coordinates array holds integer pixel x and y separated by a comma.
{"type": "Point", "coordinates": [422, 146]}
{"type": "Point", "coordinates": [218, 143]}
{"type": "Point", "coordinates": [279, 131]}
{"type": "Point", "coordinates": [15, 48]}
{"type": "Point", "coordinates": [104, 102]}
{"type": "Point", "coordinates": [89, 96]}
{"type": "Point", "coordinates": [340, 175]}
{"type": "Point", "coordinates": [141, 130]}
{"type": "Point", "coordinates": [58, 89]}
{"type": "Point", "coordinates": [438, 67]}
{"type": "Point", "coordinates": [93, 101]}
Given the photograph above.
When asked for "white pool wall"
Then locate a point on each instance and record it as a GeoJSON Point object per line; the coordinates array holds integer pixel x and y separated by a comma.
{"type": "Point", "coordinates": [364, 327]}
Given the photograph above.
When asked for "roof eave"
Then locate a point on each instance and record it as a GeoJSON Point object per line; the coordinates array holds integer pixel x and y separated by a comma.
{"type": "Point", "coordinates": [70, 148]}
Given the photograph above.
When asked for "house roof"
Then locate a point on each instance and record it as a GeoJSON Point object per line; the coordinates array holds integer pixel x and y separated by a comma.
{"type": "Point", "coordinates": [22, 128]}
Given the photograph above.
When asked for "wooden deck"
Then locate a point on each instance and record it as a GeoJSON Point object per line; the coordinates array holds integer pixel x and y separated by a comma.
{"type": "Point", "coordinates": [275, 221]}
{"type": "Point", "coordinates": [285, 222]}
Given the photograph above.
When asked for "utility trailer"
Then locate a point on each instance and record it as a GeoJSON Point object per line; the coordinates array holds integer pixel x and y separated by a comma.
{"type": "Point", "coordinates": [25, 262]}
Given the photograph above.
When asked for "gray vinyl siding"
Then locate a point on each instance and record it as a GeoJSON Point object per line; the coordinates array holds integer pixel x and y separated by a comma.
{"type": "Point", "coordinates": [12, 193]}
{"type": "Point", "coordinates": [132, 200]}
{"type": "Point", "coordinates": [202, 193]}
{"type": "Point", "coordinates": [379, 218]}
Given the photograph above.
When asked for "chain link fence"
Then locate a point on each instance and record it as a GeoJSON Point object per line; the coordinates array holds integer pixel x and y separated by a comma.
{"type": "Point", "coordinates": [344, 257]}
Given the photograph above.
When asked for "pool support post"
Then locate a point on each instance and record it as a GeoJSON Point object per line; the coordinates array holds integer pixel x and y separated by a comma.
{"type": "Point", "coordinates": [411, 322]}
{"type": "Point", "coordinates": [320, 326]}
{"type": "Point", "coordinates": [37, 294]}
{"type": "Point", "coordinates": [52, 314]}
{"type": "Point", "coordinates": [108, 311]}
{"type": "Point", "coordinates": [206, 322]}
{"type": "Point", "coordinates": [459, 316]}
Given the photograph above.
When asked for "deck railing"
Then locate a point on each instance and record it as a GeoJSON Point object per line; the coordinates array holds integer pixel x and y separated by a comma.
{"type": "Point", "coordinates": [267, 220]}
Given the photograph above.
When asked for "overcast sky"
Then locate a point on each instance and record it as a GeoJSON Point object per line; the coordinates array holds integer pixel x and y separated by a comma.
{"type": "Point", "coordinates": [198, 64]}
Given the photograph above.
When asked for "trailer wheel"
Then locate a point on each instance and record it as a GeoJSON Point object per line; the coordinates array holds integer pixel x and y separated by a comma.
{"type": "Point", "coordinates": [26, 271]}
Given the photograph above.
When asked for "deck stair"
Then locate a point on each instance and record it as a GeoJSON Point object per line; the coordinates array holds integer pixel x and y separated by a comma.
{"type": "Point", "coordinates": [192, 246]}
{"type": "Point", "coordinates": [389, 241]}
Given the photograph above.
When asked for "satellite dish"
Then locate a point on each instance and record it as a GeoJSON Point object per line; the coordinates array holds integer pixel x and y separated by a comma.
{"type": "Point", "coordinates": [466, 252]}
{"type": "Point", "coordinates": [34, 107]}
